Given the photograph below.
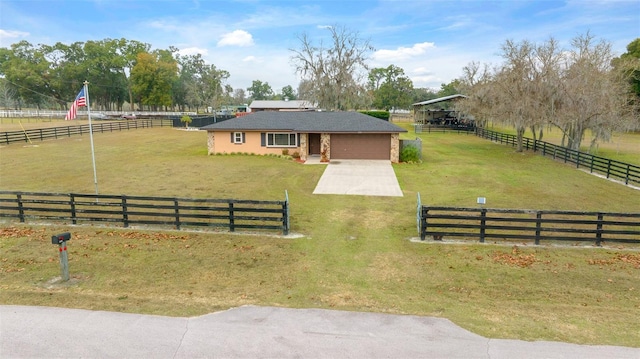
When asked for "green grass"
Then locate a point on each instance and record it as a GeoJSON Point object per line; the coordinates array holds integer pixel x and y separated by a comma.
{"type": "Point", "coordinates": [352, 252]}
{"type": "Point", "coordinates": [623, 147]}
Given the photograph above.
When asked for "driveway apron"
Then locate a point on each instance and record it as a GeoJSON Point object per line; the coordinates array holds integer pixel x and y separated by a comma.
{"type": "Point", "coordinates": [359, 177]}
{"type": "Point", "coordinates": [261, 332]}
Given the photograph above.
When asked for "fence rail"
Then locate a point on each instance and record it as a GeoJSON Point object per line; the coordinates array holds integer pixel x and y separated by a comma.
{"type": "Point", "coordinates": [132, 210]}
{"type": "Point", "coordinates": [68, 131]}
{"type": "Point", "coordinates": [83, 113]}
{"type": "Point", "coordinates": [610, 168]}
{"type": "Point", "coordinates": [535, 225]}
{"type": "Point", "coordinates": [421, 128]}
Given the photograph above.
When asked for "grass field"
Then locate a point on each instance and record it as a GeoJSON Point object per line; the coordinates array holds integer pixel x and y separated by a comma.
{"type": "Point", "coordinates": [349, 252]}
{"type": "Point", "coordinates": [624, 147]}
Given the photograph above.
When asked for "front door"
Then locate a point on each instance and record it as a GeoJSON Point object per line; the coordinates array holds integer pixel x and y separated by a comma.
{"type": "Point", "coordinates": [314, 143]}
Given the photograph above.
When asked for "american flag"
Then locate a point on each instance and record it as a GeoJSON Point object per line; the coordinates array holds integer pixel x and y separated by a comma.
{"type": "Point", "coordinates": [81, 100]}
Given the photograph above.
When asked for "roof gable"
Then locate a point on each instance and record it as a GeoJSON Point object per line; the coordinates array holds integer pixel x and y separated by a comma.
{"type": "Point", "coordinates": [439, 99]}
{"type": "Point", "coordinates": [325, 122]}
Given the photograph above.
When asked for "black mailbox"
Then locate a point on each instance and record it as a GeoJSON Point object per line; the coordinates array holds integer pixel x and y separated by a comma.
{"type": "Point", "coordinates": [59, 238]}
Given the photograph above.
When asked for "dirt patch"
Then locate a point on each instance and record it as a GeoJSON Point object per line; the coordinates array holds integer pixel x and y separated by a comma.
{"type": "Point", "coordinates": [515, 259]}
{"type": "Point", "coordinates": [370, 219]}
{"type": "Point", "coordinates": [620, 258]}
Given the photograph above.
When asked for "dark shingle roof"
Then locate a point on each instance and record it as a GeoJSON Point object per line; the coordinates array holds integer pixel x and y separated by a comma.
{"type": "Point", "coordinates": [276, 104]}
{"type": "Point", "coordinates": [327, 122]}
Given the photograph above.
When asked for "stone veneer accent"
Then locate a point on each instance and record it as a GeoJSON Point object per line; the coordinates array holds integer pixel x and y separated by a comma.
{"type": "Point", "coordinates": [395, 147]}
{"type": "Point", "coordinates": [325, 145]}
{"type": "Point", "coordinates": [304, 147]}
{"type": "Point", "coordinates": [211, 143]}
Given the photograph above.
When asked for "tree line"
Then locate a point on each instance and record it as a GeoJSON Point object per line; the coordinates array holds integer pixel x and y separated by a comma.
{"type": "Point", "coordinates": [119, 70]}
{"type": "Point", "coordinates": [123, 71]}
{"type": "Point", "coordinates": [579, 89]}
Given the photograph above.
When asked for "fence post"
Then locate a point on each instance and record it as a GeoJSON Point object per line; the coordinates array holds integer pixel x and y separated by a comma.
{"type": "Point", "coordinates": [177, 211]}
{"type": "Point", "coordinates": [599, 230]}
{"type": "Point", "coordinates": [285, 218]}
{"type": "Point", "coordinates": [483, 223]}
{"type": "Point", "coordinates": [20, 208]}
{"type": "Point", "coordinates": [418, 214]}
{"type": "Point", "coordinates": [578, 160]}
{"type": "Point", "coordinates": [125, 213]}
{"type": "Point", "coordinates": [423, 223]}
{"type": "Point", "coordinates": [72, 202]}
{"type": "Point", "coordinates": [538, 226]}
{"type": "Point", "coordinates": [608, 168]}
{"type": "Point", "coordinates": [232, 227]}
{"type": "Point", "coordinates": [626, 178]}
{"type": "Point", "coordinates": [285, 209]}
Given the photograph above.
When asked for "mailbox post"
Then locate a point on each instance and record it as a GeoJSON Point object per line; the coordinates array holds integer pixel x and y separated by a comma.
{"type": "Point", "coordinates": [61, 240]}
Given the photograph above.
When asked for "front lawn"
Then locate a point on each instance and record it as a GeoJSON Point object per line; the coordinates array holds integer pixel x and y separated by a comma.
{"type": "Point", "coordinates": [348, 252]}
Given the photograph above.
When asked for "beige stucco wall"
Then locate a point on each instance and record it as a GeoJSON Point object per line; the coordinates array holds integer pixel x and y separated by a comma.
{"type": "Point", "coordinates": [220, 142]}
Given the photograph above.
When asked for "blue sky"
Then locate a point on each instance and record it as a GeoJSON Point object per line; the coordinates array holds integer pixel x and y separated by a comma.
{"type": "Point", "coordinates": [431, 40]}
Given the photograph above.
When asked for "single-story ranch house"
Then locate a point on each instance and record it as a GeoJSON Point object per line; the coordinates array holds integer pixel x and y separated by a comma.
{"type": "Point", "coordinates": [331, 135]}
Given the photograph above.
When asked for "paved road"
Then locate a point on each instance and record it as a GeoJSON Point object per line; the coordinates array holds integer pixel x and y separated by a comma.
{"type": "Point", "coordinates": [359, 177]}
{"type": "Point", "coordinates": [261, 332]}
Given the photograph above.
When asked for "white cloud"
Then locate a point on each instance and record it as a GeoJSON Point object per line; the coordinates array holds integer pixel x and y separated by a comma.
{"type": "Point", "coordinates": [252, 59]}
{"type": "Point", "coordinates": [426, 81]}
{"type": "Point", "coordinates": [12, 34]}
{"type": "Point", "coordinates": [193, 51]}
{"type": "Point", "coordinates": [422, 71]}
{"type": "Point", "coordinates": [402, 53]}
{"type": "Point", "coordinates": [236, 38]}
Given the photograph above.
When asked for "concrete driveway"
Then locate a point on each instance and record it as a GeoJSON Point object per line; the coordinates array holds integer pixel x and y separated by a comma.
{"type": "Point", "coordinates": [261, 332]}
{"type": "Point", "coordinates": [359, 177]}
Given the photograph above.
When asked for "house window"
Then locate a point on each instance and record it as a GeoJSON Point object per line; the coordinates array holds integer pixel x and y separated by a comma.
{"type": "Point", "coordinates": [237, 137]}
{"type": "Point", "coordinates": [281, 140]}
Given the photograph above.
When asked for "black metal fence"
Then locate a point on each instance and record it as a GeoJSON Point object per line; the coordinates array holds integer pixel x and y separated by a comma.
{"type": "Point", "coordinates": [42, 134]}
{"type": "Point", "coordinates": [521, 224]}
{"type": "Point", "coordinates": [422, 128]}
{"type": "Point", "coordinates": [137, 210]}
{"type": "Point", "coordinates": [200, 120]}
{"type": "Point", "coordinates": [625, 172]}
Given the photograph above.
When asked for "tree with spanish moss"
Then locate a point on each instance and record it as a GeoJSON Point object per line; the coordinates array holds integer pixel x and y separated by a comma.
{"type": "Point", "coordinates": [333, 74]}
{"type": "Point", "coordinates": [537, 85]}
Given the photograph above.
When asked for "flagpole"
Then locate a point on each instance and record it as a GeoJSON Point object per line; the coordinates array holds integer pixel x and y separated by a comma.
{"type": "Point", "coordinates": [93, 155]}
